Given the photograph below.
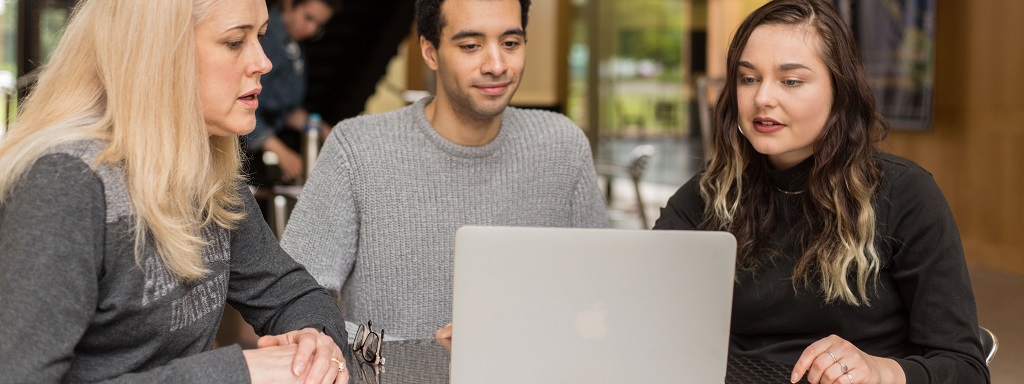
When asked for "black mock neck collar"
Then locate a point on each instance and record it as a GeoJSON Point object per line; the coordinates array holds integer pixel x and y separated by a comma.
{"type": "Point", "coordinates": [792, 179]}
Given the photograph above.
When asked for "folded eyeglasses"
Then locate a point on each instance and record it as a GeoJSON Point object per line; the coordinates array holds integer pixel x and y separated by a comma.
{"type": "Point", "coordinates": [367, 349]}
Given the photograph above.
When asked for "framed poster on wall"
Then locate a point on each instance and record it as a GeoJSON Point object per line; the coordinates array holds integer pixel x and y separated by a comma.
{"type": "Point", "coordinates": [897, 44]}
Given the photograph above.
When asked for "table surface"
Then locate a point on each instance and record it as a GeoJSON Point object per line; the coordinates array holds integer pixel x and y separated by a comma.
{"type": "Point", "coordinates": [424, 361]}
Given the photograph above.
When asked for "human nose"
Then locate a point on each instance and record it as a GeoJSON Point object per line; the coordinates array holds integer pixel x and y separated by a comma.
{"type": "Point", "coordinates": [494, 62]}
{"type": "Point", "coordinates": [261, 63]}
{"type": "Point", "coordinates": [765, 96]}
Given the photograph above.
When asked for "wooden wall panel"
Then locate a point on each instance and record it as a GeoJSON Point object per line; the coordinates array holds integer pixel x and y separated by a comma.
{"type": "Point", "coordinates": [975, 147]}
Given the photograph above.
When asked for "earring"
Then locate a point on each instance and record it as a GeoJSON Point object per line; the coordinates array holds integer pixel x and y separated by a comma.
{"type": "Point", "coordinates": [741, 129]}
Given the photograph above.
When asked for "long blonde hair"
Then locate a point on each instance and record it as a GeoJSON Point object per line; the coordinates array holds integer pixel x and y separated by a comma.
{"type": "Point", "coordinates": [838, 235]}
{"type": "Point", "coordinates": [125, 73]}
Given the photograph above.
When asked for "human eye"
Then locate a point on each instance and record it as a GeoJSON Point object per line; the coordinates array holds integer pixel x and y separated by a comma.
{"type": "Point", "coordinates": [792, 82]}
{"type": "Point", "coordinates": [235, 44]}
{"type": "Point", "coordinates": [469, 46]}
{"type": "Point", "coordinates": [745, 80]}
{"type": "Point", "coordinates": [512, 41]}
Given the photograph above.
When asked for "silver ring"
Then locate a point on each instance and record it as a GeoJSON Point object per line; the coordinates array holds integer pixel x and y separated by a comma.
{"type": "Point", "coordinates": [341, 364]}
{"type": "Point", "coordinates": [844, 367]}
{"type": "Point", "coordinates": [833, 357]}
{"type": "Point", "coordinates": [849, 376]}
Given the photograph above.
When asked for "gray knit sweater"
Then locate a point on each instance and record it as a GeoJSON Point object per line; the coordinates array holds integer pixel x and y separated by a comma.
{"type": "Point", "coordinates": [377, 219]}
{"type": "Point", "coordinates": [75, 306]}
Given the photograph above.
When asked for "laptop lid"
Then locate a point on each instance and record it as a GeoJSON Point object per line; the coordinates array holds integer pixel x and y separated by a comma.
{"type": "Point", "coordinates": [567, 305]}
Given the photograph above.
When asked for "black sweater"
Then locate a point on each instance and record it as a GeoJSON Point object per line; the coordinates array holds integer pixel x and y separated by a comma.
{"type": "Point", "coordinates": [922, 313]}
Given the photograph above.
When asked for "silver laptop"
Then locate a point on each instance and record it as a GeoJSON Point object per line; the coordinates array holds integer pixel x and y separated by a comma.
{"type": "Point", "coordinates": [561, 305]}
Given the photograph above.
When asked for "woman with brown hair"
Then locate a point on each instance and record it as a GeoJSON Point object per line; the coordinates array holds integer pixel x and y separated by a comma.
{"type": "Point", "coordinates": [849, 263]}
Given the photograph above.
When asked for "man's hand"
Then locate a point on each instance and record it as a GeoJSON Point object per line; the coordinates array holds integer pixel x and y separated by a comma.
{"type": "Point", "coordinates": [444, 337]}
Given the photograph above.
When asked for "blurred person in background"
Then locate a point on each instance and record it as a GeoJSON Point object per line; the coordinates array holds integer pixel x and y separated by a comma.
{"type": "Point", "coordinates": [281, 116]}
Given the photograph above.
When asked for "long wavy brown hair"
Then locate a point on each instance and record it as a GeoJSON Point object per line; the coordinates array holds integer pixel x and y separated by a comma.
{"type": "Point", "coordinates": [837, 235]}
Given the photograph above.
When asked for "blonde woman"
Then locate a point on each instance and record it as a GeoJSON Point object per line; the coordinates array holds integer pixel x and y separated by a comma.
{"type": "Point", "coordinates": [124, 226]}
{"type": "Point", "coordinates": [850, 265]}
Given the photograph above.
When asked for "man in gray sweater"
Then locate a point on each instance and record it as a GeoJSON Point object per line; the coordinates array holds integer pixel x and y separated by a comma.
{"type": "Point", "coordinates": [376, 221]}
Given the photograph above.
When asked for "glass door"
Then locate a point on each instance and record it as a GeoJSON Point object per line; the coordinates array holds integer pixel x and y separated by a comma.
{"type": "Point", "coordinates": [632, 65]}
{"type": "Point", "coordinates": [8, 60]}
{"type": "Point", "coordinates": [29, 32]}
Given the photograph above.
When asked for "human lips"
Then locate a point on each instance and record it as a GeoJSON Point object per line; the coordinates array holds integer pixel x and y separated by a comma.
{"type": "Point", "coordinates": [251, 98]}
{"type": "Point", "coordinates": [493, 89]}
{"type": "Point", "coordinates": [767, 125]}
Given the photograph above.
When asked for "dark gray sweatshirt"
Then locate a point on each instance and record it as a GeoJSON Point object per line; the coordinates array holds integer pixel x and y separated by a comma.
{"type": "Point", "coordinates": [76, 307]}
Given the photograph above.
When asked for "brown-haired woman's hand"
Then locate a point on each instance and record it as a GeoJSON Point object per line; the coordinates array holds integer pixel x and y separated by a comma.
{"type": "Point", "coordinates": [833, 360]}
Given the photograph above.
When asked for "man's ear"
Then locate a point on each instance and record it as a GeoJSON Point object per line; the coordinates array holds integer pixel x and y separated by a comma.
{"type": "Point", "coordinates": [429, 52]}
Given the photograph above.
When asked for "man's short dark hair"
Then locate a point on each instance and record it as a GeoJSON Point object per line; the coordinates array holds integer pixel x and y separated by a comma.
{"type": "Point", "coordinates": [429, 21]}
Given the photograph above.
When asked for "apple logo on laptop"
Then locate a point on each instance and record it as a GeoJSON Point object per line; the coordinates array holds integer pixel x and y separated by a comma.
{"type": "Point", "coordinates": [592, 323]}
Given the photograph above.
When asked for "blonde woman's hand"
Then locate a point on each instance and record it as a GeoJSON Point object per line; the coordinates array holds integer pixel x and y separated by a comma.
{"type": "Point", "coordinates": [833, 360]}
{"type": "Point", "coordinates": [272, 365]}
{"type": "Point", "coordinates": [316, 357]}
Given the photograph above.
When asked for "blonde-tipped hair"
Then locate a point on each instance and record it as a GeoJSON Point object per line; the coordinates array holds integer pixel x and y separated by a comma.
{"type": "Point", "coordinates": [125, 73]}
{"type": "Point", "coordinates": [837, 237]}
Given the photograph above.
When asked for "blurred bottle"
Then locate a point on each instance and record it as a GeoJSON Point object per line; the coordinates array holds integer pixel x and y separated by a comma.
{"type": "Point", "coordinates": [310, 143]}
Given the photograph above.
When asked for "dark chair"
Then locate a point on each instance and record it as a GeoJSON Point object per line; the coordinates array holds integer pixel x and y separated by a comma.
{"type": "Point", "coordinates": [640, 158]}
{"type": "Point", "coordinates": [989, 344]}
